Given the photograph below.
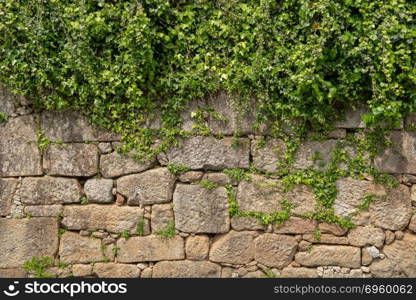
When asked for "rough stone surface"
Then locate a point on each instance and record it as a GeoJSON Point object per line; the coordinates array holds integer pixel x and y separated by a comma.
{"type": "Point", "coordinates": [186, 269]}
{"type": "Point", "coordinates": [191, 176]}
{"type": "Point", "coordinates": [385, 268]}
{"type": "Point", "coordinates": [326, 239]}
{"type": "Point", "coordinates": [412, 224]}
{"type": "Point", "coordinates": [99, 190]}
{"type": "Point", "coordinates": [80, 270]}
{"type": "Point", "coordinates": [43, 210]}
{"type": "Point", "coordinates": [218, 178]}
{"type": "Point", "coordinates": [332, 228]}
{"type": "Point", "coordinates": [267, 154]}
{"type": "Point", "coordinates": [19, 153]}
{"type": "Point", "coordinates": [402, 253]}
{"type": "Point", "coordinates": [150, 187]}
{"type": "Point", "coordinates": [400, 157]}
{"type": "Point", "coordinates": [49, 190]}
{"type": "Point", "coordinates": [13, 273]}
{"type": "Point", "coordinates": [352, 118]}
{"type": "Point", "coordinates": [291, 272]}
{"type": "Point", "coordinates": [7, 102]}
{"type": "Point", "coordinates": [246, 223]}
{"type": "Point", "coordinates": [78, 160]}
{"type": "Point", "coordinates": [7, 190]}
{"type": "Point", "coordinates": [22, 239]}
{"type": "Point", "coordinates": [150, 248]}
{"type": "Point", "coordinates": [116, 165]}
{"type": "Point", "coordinates": [275, 250]}
{"type": "Point", "coordinates": [71, 126]}
{"type": "Point", "coordinates": [162, 215]}
{"type": "Point", "coordinates": [366, 236]}
{"type": "Point", "coordinates": [113, 218]}
{"type": "Point", "coordinates": [197, 247]}
{"type": "Point", "coordinates": [200, 210]}
{"type": "Point", "coordinates": [211, 153]}
{"type": "Point", "coordinates": [322, 255]}
{"type": "Point", "coordinates": [114, 270]}
{"type": "Point", "coordinates": [295, 225]}
{"type": "Point", "coordinates": [79, 249]}
{"type": "Point", "coordinates": [235, 247]}
{"type": "Point", "coordinates": [304, 156]}
{"type": "Point", "coordinates": [350, 195]}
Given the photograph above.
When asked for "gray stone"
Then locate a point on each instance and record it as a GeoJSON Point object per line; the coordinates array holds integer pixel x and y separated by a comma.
{"type": "Point", "coordinates": [400, 157]}
{"type": "Point", "coordinates": [22, 239]}
{"type": "Point", "coordinates": [197, 247]}
{"type": "Point", "coordinates": [412, 224]}
{"type": "Point", "coordinates": [373, 252]}
{"type": "Point", "coordinates": [105, 148]}
{"type": "Point", "coordinates": [322, 255]}
{"type": "Point", "coordinates": [19, 154]}
{"type": "Point", "coordinates": [275, 250]}
{"type": "Point", "coordinates": [79, 249]}
{"type": "Point", "coordinates": [72, 126]}
{"type": "Point", "coordinates": [235, 247]}
{"type": "Point", "coordinates": [332, 228]}
{"type": "Point", "coordinates": [7, 102]}
{"type": "Point", "coordinates": [43, 210]}
{"type": "Point", "coordinates": [116, 164]}
{"type": "Point", "coordinates": [150, 248]}
{"type": "Point", "coordinates": [78, 160]}
{"type": "Point", "coordinates": [267, 154]}
{"type": "Point", "coordinates": [162, 215]}
{"type": "Point", "coordinates": [352, 118]}
{"type": "Point", "coordinates": [191, 176]}
{"type": "Point", "coordinates": [49, 190]}
{"type": "Point", "coordinates": [246, 223]}
{"type": "Point", "coordinates": [199, 210]}
{"type": "Point", "coordinates": [186, 269]}
{"type": "Point", "coordinates": [402, 253]}
{"type": "Point", "coordinates": [218, 178]}
{"type": "Point", "coordinates": [210, 153]}
{"type": "Point", "coordinates": [7, 190]}
{"type": "Point", "coordinates": [99, 190]}
{"type": "Point", "coordinates": [112, 218]}
{"type": "Point", "coordinates": [366, 236]}
{"type": "Point", "coordinates": [150, 187]}
{"type": "Point", "coordinates": [314, 154]}
{"type": "Point", "coordinates": [114, 270]}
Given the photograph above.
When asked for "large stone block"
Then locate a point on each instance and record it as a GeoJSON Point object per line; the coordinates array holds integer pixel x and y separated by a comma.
{"type": "Point", "coordinates": [235, 247]}
{"type": "Point", "coordinates": [22, 239]}
{"type": "Point", "coordinates": [19, 154]}
{"type": "Point", "coordinates": [266, 157]}
{"type": "Point", "coordinates": [400, 157]}
{"type": "Point", "coordinates": [295, 225]}
{"type": "Point", "coordinates": [116, 219]}
{"type": "Point", "coordinates": [114, 270]}
{"type": "Point", "coordinates": [323, 255]}
{"type": "Point", "coordinates": [7, 190]}
{"type": "Point", "coordinates": [275, 250]}
{"type": "Point", "coordinates": [366, 236]}
{"type": "Point", "coordinates": [186, 269]}
{"type": "Point", "coordinates": [199, 210]}
{"type": "Point", "coordinates": [150, 248]}
{"type": "Point", "coordinates": [402, 253]}
{"type": "Point", "coordinates": [352, 118]}
{"type": "Point", "coordinates": [80, 160]}
{"type": "Point", "coordinates": [99, 190]}
{"type": "Point", "coordinates": [162, 216]}
{"type": "Point", "coordinates": [49, 190]}
{"type": "Point", "coordinates": [79, 249]}
{"type": "Point", "coordinates": [290, 272]}
{"type": "Point", "coordinates": [7, 102]}
{"type": "Point", "coordinates": [197, 247]}
{"type": "Point", "coordinates": [314, 154]}
{"type": "Point", "coordinates": [350, 194]}
{"type": "Point", "coordinates": [43, 210]}
{"type": "Point", "coordinates": [72, 126]}
{"type": "Point", "coordinates": [210, 153]}
{"type": "Point", "coordinates": [150, 187]}
{"type": "Point", "coordinates": [116, 165]}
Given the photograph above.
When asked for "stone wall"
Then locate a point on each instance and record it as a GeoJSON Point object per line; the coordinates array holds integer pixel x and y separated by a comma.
{"type": "Point", "coordinates": [100, 213]}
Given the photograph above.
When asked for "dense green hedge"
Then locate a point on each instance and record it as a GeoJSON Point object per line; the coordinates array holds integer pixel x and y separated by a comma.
{"type": "Point", "coordinates": [117, 60]}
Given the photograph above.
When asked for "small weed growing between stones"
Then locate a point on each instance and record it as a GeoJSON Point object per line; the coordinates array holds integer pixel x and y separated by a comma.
{"type": "Point", "coordinates": [168, 232]}
{"type": "Point", "coordinates": [208, 184]}
{"type": "Point", "coordinates": [3, 117]}
{"type": "Point", "coordinates": [83, 200]}
{"type": "Point", "coordinates": [63, 265]}
{"type": "Point", "coordinates": [317, 235]}
{"type": "Point", "coordinates": [125, 234]}
{"type": "Point", "coordinates": [43, 141]}
{"type": "Point", "coordinates": [140, 226]}
{"type": "Point", "coordinates": [38, 265]}
{"type": "Point", "coordinates": [269, 273]}
{"type": "Point", "coordinates": [177, 169]}
{"type": "Point", "coordinates": [61, 231]}
{"type": "Point", "coordinates": [237, 174]}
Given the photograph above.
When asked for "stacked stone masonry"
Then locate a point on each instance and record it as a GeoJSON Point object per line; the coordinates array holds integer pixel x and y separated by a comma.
{"type": "Point", "coordinates": [99, 213]}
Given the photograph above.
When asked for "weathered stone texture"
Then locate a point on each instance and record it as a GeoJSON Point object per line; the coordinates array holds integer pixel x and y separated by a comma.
{"type": "Point", "coordinates": [267, 154]}
{"type": "Point", "coordinates": [275, 250]}
{"type": "Point", "coordinates": [211, 153]}
{"type": "Point", "coordinates": [113, 218]}
{"type": "Point", "coordinates": [291, 272]}
{"type": "Point", "coordinates": [150, 248]}
{"type": "Point", "coordinates": [49, 190]}
{"type": "Point", "coordinates": [314, 153]}
{"type": "Point", "coordinates": [366, 236]}
{"type": "Point", "coordinates": [186, 269]}
{"type": "Point", "coordinates": [197, 247]}
{"type": "Point", "coordinates": [332, 228]}
{"type": "Point", "coordinates": [116, 165]}
{"type": "Point", "coordinates": [19, 153]}
{"type": "Point", "coordinates": [7, 190]}
{"type": "Point", "coordinates": [43, 210]}
{"type": "Point", "coordinates": [246, 223]}
{"type": "Point", "coordinates": [114, 270]}
{"type": "Point", "coordinates": [295, 225]}
{"type": "Point", "coordinates": [162, 215]}
{"type": "Point", "coordinates": [7, 102]}
{"type": "Point", "coordinates": [150, 187]}
{"type": "Point", "coordinates": [72, 126]}
{"type": "Point", "coordinates": [235, 247]}
{"type": "Point", "coordinates": [99, 190]}
{"type": "Point", "coordinates": [402, 253]}
{"type": "Point", "coordinates": [79, 249]}
{"type": "Point", "coordinates": [78, 160]}
{"type": "Point", "coordinates": [80, 270]}
{"type": "Point", "coordinates": [22, 239]}
{"type": "Point", "coordinates": [199, 210]}
{"type": "Point", "coordinates": [322, 255]}
{"type": "Point", "coordinates": [352, 118]}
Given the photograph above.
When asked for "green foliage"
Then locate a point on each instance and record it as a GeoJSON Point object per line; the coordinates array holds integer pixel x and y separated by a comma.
{"type": "Point", "coordinates": [84, 200]}
{"type": "Point", "coordinates": [43, 141]}
{"type": "Point", "coordinates": [122, 62]}
{"type": "Point", "coordinates": [3, 117]}
{"type": "Point", "coordinates": [317, 235]}
{"type": "Point", "coordinates": [61, 231]}
{"type": "Point", "coordinates": [63, 265]}
{"type": "Point", "coordinates": [168, 232]}
{"type": "Point", "coordinates": [140, 226]}
{"type": "Point", "coordinates": [269, 273]}
{"type": "Point", "coordinates": [125, 234]}
{"type": "Point", "coordinates": [208, 184]}
{"type": "Point", "coordinates": [38, 265]}
{"type": "Point", "coordinates": [177, 169]}
{"type": "Point", "coordinates": [237, 174]}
